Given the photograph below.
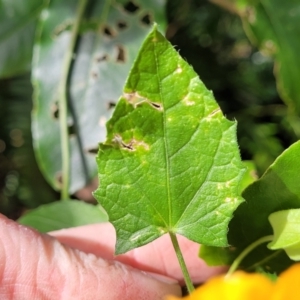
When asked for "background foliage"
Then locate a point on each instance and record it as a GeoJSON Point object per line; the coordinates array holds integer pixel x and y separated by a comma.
{"type": "Point", "coordinates": [212, 39]}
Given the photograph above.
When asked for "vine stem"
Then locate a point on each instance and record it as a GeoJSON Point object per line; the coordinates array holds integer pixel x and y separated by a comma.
{"type": "Point", "coordinates": [246, 251]}
{"type": "Point", "coordinates": [63, 102]}
{"type": "Point", "coordinates": [182, 264]}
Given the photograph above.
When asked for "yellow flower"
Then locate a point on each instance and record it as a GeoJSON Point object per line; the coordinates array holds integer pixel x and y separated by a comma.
{"type": "Point", "coordinates": [245, 286]}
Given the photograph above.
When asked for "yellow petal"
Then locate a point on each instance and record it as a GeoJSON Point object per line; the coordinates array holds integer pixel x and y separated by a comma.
{"type": "Point", "coordinates": [238, 286]}
{"type": "Point", "coordinates": [287, 285]}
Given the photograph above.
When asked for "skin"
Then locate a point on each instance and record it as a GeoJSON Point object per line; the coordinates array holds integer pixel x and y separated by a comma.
{"type": "Point", "coordinates": [78, 263]}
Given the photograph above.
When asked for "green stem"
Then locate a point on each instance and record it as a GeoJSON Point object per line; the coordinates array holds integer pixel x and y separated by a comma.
{"type": "Point", "coordinates": [182, 264]}
{"type": "Point", "coordinates": [63, 102]}
{"type": "Point", "coordinates": [265, 260]}
{"type": "Point", "coordinates": [246, 251]}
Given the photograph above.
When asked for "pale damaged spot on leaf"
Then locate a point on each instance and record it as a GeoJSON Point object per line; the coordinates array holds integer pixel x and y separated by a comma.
{"type": "Point", "coordinates": [231, 200]}
{"type": "Point", "coordinates": [102, 121]}
{"type": "Point", "coordinates": [225, 185]}
{"type": "Point", "coordinates": [213, 114]}
{"type": "Point", "coordinates": [135, 99]}
{"type": "Point", "coordinates": [135, 237]}
{"type": "Point", "coordinates": [65, 26]}
{"type": "Point", "coordinates": [132, 145]}
{"type": "Point", "coordinates": [187, 101]}
{"type": "Point", "coordinates": [268, 48]}
{"type": "Point", "coordinates": [228, 184]}
{"type": "Point", "coordinates": [178, 70]}
{"type": "Point", "coordinates": [250, 14]}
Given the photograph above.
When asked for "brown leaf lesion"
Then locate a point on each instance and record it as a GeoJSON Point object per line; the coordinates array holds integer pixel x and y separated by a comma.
{"type": "Point", "coordinates": [132, 145]}
{"type": "Point", "coordinates": [135, 99]}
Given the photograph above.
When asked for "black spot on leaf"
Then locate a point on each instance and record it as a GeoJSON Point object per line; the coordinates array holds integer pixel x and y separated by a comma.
{"type": "Point", "coordinates": [55, 111]}
{"type": "Point", "coordinates": [131, 7]}
{"type": "Point", "coordinates": [156, 105]}
{"type": "Point", "coordinates": [101, 58]}
{"type": "Point", "coordinates": [92, 150]}
{"type": "Point", "coordinates": [94, 75]}
{"type": "Point", "coordinates": [121, 54]}
{"type": "Point", "coordinates": [146, 19]}
{"type": "Point", "coordinates": [111, 104]}
{"type": "Point", "coordinates": [71, 130]}
{"type": "Point", "coordinates": [107, 31]}
{"type": "Point", "coordinates": [122, 25]}
{"type": "Point", "coordinates": [58, 178]}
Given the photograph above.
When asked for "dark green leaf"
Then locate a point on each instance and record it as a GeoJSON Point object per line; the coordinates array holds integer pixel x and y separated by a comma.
{"type": "Point", "coordinates": [63, 214]}
{"type": "Point", "coordinates": [171, 161]}
{"type": "Point", "coordinates": [215, 256]}
{"type": "Point", "coordinates": [250, 175]}
{"type": "Point", "coordinates": [109, 41]}
{"type": "Point", "coordinates": [17, 29]}
{"type": "Point", "coordinates": [278, 189]}
{"type": "Point", "coordinates": [273, 25]}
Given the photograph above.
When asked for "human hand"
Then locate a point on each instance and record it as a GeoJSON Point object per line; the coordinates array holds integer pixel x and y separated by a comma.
{"type": "Point", "coordinates": [79, 264]}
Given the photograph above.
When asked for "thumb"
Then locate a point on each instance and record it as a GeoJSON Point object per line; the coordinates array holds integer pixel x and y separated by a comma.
{"type": "Point", "coordinates": [35, 266]}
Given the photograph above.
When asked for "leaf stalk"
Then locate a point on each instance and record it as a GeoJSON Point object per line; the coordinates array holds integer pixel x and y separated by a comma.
{"type": "Point", "coordinates": [182, 264]}
{"type": "Point", "coordinates": [63, 102]}
{"type": "Point", "coordinates": [246, 251]}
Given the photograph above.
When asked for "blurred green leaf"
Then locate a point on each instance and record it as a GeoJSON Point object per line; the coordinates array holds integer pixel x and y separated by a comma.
{"type": "Point", "coordinates": [250, 175]}
{"type": "Point", "coordinates": [18, 20]}
{"type": "Point", "coordinates": [108, 44]}
{"type": "Point", "coordinates": [273, 26]}
{"type": "Point", "coordinates": [63, 214]}
{"type": "Point", "coordinates": [286, 227]}
{"type": "Point", "coordinates": [170, 163]}
{"type": "Point", "coordinates": [278, 189]}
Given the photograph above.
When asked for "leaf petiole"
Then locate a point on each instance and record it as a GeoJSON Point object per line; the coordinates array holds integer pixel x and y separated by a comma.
{"type": "Point", "coordinates": [182, 264]}
{"type": "Point", "coordinates": [246, 251]}
{"type": "Point", "coordinates": [63, 102]}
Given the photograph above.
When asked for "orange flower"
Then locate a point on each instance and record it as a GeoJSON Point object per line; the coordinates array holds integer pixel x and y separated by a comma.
{"type": "Point", "coordinates": [245, 286]}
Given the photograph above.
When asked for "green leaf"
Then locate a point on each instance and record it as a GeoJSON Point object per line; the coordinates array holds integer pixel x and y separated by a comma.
{"type": "Point", "coordinates": [272, 276]}
{"type": "Point", "coordinates": [63, 214]}
{"type": "Point", "coordinates": [218, 256]}
{"type": "Point", "coordinates": [286, 226]}
{"type": "Point", "coordinates": [273, 25]}
{"type": "Point", "coordinates": [17, 29]}
{"type": "Point", "coordinates": [171, 161]}
{"type": "Point", "coordinates": [250, 175]}
{"type": "Point", "coordinates": [278, 189]}
{"type": "Point", "coordinates": [215, 256]}
{"type": "Point", "coordinates": [109, 40]}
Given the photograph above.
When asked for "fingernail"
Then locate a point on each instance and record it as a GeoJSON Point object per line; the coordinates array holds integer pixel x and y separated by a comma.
{"type": "Point", "coordinates": [161, 278]}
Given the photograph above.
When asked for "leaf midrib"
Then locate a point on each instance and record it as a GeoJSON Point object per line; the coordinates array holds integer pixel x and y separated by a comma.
{"type": "Point", "coordinates": [165, 140]}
